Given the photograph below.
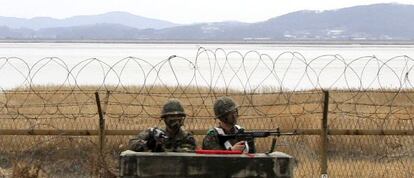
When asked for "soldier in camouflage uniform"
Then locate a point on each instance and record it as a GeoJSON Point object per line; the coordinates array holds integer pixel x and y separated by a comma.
{"type": "Point", "coordinates": [172, 139]}
{"type": "Point", "coordinates": [226, 110]}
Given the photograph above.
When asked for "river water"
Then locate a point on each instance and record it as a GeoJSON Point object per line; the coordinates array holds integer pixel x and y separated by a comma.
{"type": "Point", "coordinates": [239, 66]}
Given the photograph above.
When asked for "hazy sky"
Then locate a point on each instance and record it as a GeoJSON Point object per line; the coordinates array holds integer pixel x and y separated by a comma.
{"type": "Point", "coordinates": [178, 11]}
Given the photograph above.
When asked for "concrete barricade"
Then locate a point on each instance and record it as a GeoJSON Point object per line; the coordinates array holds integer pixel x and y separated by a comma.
{"type": "Point", "coordinates": [191, 165]}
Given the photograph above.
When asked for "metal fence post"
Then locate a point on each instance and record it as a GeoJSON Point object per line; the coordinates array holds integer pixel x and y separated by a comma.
{"type": "Point", "coordinates": [101, 133]}
{"type": "Point", "coordinates": [101, 124]}
{"type": "Point", "coordinates": [324, 135]}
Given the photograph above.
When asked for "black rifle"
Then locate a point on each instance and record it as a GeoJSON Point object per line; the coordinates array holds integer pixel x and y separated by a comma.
{"type": "Point", "coordinates": [250, 136]}
{"type": "Point", "coordinates": [242, 135]}
{"type": "Point", "coordinates": [155, 139]}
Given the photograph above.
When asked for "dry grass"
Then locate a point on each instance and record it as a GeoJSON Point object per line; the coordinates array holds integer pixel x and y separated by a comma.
{"type": "Point", "coordinates": [357, 168]}
{"type": "Point", "coordinates": [50, 107]}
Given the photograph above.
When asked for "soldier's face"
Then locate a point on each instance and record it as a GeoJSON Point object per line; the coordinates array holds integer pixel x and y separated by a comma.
{"type": "Point", "coordinates": [174, 122]}
{"type": "Point", "coordinates": [232, 117]}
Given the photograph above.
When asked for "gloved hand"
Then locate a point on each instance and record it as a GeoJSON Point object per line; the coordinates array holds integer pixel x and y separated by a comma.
{"type": "Point", "coordinates": [156, 140]}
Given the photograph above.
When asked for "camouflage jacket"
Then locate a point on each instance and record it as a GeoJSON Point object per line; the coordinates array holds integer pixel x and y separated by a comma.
{"type": "Point", "coordinates": [157, 140]}
{"type": "Point", "coordinates": [211, 140]}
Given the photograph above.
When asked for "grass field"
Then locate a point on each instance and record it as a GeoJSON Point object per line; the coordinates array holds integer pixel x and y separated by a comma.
{"type": "Point", "coordinates": [135, 108]}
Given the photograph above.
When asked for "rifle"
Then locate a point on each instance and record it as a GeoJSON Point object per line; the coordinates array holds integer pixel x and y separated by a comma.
{"type": "Point", "coordinates": [156, 139]}
{"type": "Point", "coordinates": [250, 136]}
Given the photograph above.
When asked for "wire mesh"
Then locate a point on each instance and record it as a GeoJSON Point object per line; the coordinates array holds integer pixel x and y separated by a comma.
{"type": "Point", "coordinates": [272, 91]}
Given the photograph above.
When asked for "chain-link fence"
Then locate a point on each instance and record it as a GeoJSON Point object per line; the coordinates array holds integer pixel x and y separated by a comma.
{"type": "Point", "coordinates": [50, 125]}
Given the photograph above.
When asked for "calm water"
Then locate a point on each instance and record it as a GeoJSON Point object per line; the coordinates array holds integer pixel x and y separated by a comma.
{"type": "Point", "coordinates": [242, 66]}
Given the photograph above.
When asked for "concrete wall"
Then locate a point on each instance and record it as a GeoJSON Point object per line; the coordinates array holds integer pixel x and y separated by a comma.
{"type": "Point", "coordinates": [175, 165]}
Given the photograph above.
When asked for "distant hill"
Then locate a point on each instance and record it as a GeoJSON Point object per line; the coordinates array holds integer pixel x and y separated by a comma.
{"type": "Point", "coordinates": [378, 21]}
{"type": "Point", "coordinates": [120, 18]}
{"type": "Point", "coordinates": [369, 22]}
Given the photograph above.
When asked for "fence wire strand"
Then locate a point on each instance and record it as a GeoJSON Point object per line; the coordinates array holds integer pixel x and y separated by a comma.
{"type": "Point", "coordinates": [273, 91]}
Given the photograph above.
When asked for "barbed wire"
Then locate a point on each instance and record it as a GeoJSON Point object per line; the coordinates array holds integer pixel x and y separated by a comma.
{"type": "Point", "coordinates": [273, 91]}
{"type": "Point", "coordinates": [285, 85]}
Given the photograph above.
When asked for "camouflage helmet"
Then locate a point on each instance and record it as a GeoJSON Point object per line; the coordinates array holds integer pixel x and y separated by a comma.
{"type": "Point", "coordinates": [224, 105]}
{"type": "Point", "coordinates": [172, 107]}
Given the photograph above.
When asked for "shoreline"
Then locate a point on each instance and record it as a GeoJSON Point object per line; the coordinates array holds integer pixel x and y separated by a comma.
{"type": "Point", "coordinates": [298, 42]}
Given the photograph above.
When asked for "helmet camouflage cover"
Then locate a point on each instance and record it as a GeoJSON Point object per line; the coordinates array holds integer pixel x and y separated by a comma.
{"type": "Point", "coordinates": [224, 105]}
{"type": "Point", "coordinates": [172, 107]}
